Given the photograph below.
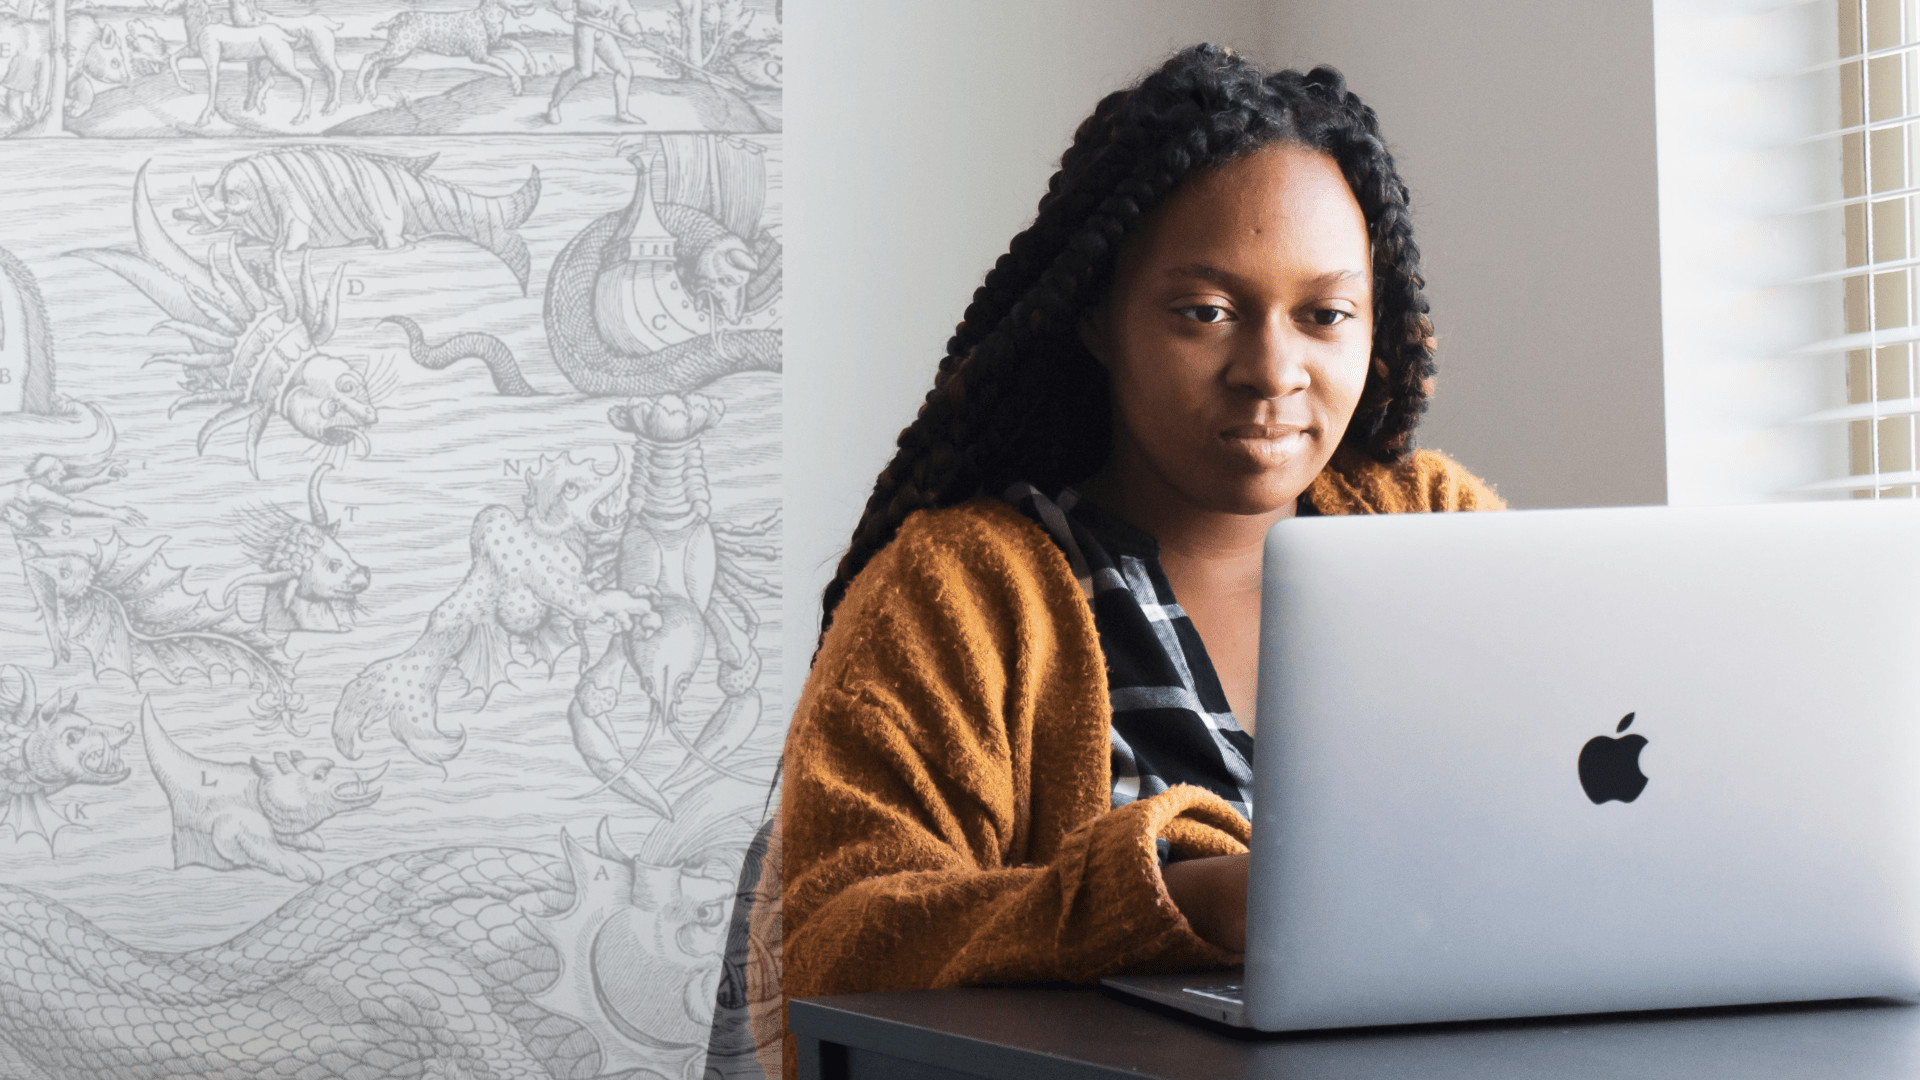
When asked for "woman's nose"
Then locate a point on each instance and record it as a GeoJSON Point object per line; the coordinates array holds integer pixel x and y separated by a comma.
{"type": "Point", "coordinates": [1271, 362]}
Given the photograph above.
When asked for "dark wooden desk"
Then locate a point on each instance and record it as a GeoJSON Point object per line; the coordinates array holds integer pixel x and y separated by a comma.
{"type": "Point", "coordinates": [1085, 1035]}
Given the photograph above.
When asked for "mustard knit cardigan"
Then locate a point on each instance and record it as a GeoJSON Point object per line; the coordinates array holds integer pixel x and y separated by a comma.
{"type": "Point", "coordinates": [946, 817]}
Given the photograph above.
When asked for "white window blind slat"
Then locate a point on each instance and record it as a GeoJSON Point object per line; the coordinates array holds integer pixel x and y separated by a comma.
{"type": "Point", "coordinates": [1866, 339]}
{"type": "Point", "coordinates": [1855, 200]}
{"type": "Point", "coordinates": [1887, 124]}
{"type": "Point", "coordinates": [1846, 272]}
{"type": "Point", "coordinates": [1870, 410]}
{"type": "Point", "coordinates": [1886, 482]}
{"type": "Point", "coordinates": [1834, 65]}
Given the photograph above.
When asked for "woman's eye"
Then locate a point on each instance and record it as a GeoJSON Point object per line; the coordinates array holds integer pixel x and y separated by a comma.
{"type": "Point", "coordinates": [1331, 316]}
{"type": "Point", "coordinates": [1204, 313]}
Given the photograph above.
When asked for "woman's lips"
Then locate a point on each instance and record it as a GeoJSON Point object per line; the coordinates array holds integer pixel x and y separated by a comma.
{"type": "Point", "coordinates": [1269, 444]}
{"type": "Point", "coordinates": [1263, 431]}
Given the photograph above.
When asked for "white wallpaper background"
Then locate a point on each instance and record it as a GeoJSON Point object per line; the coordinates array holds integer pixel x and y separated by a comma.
{"type": "Point", "coordinates": [390, 594]}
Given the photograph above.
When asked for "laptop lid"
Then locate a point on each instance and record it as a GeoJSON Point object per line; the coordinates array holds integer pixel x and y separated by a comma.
{"type": "Point", "coordinates": [1455, 714]}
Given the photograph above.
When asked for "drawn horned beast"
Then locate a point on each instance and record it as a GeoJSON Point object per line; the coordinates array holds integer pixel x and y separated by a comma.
{"type": "Point", "coordinates": [45, 748]}
{"type": "Point", "coordinates": [309, 581]}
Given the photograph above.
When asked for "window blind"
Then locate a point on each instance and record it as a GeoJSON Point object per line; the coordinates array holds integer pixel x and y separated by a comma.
{"type": "Point", "coordinates": [1759, 273]}
{"type": "Point", "coordinates": [1879, 110]}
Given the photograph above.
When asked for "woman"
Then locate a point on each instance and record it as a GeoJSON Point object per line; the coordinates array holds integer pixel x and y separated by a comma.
{"type": "Point", "coordinates": [1017, 758]}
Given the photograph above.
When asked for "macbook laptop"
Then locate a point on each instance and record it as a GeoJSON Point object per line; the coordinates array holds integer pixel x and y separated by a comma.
{"type": "Point", "coordinates": [1570, 761]}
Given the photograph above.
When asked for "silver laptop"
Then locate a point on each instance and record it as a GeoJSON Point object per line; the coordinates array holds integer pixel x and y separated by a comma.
{"type": "Point", "coordinates": [1572, 761]}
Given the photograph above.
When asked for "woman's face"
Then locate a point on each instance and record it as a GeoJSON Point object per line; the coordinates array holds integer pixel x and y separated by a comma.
{"type": "Point", "coordinates": [1238, 333]}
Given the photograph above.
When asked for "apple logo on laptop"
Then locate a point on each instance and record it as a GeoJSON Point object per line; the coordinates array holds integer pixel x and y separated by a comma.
{"type": "Point", "coordinates": [1610, 768]}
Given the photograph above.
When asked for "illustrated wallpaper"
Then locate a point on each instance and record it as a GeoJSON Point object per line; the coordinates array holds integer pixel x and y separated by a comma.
{"type": "Point", "coordinates": [390, 429]}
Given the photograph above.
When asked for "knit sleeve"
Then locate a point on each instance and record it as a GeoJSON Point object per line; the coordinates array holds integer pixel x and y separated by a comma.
{"type": "Point", "coordinates": [926, 842]}
{"type": "Point", "coordinates": [904, 899]}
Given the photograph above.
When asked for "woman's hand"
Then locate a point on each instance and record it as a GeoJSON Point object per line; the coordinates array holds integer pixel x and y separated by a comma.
{"type": "Point", "coordinates": [1212, 894]}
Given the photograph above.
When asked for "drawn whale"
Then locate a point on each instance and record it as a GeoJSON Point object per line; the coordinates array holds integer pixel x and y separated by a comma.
{"type": "Point", "coordinates": [328, 196]}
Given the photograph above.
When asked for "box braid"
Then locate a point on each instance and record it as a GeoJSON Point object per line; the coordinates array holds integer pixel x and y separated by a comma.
{"type": "Point", "coordinates": [1018, 396]}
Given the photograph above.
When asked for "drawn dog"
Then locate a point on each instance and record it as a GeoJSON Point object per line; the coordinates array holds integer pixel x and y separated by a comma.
{"type": "Point", "coordinates": [265, 45]}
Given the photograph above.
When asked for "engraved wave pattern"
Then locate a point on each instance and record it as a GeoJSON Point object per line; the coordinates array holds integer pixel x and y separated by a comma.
{"type": "Point", "coordinates": [445, 446]}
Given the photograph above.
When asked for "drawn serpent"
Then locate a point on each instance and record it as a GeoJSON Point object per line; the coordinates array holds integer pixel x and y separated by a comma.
{"type": "Point", "coordinates": [489, 349]}
{"type": "Point", "coordinates": [414, 965]}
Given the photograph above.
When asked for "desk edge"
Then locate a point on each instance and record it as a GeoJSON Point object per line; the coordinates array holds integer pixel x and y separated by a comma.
{"type": "Point", "coordinates": [820, 1019]}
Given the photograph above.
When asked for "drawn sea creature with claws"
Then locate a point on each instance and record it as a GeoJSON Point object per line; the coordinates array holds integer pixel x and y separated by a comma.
{"type": "Point", "coordinates": [252, 343]}
{"type": "Point", "coordinates": [695, 572]}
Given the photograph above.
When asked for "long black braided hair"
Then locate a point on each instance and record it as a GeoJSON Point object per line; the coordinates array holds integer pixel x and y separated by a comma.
{"type": "Point", "coordinates": [1019, 397]}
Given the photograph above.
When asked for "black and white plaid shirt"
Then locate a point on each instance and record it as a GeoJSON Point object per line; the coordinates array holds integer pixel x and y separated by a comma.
{"type": "Point", "coordinates": [1171, 721]}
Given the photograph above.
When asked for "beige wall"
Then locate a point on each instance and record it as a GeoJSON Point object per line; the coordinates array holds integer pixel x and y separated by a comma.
{"type": "Point", "coordinates": [1526, 130]}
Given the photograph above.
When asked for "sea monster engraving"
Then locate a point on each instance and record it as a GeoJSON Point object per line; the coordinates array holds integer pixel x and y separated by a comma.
{"type": "Point", "coordinates": [131, 612]}
{"type": "Point", "coordinates": [480, 962]}
{"type": "Point", "coordinates": [45, 748]}
{"type": "Point", "coordinates": [308, 580]}
{"type": "Point", "coordinates": [527, 597]}
{"type": "Point", "coordinates": [252, 343]}
{"type": "Point", "coordinates": [664, 296]}
{"type": "Point", "coordinates": [260, 814]}
{"type": "Point", "coordinates": [699, 575]}
{"type": "Point", "coordinates": [330, 196]}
